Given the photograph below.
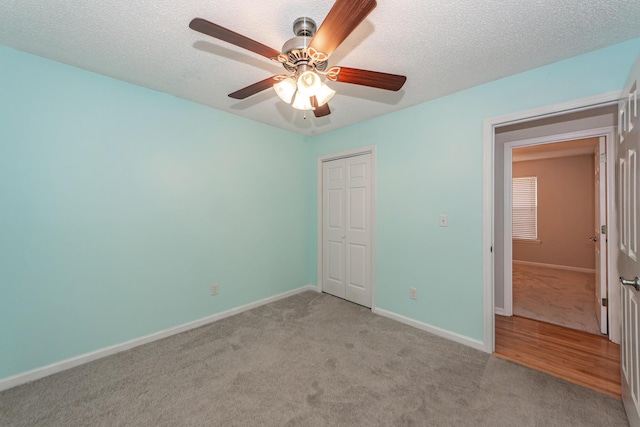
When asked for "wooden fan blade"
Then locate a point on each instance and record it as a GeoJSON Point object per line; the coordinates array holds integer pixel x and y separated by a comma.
{"type": "Point", "coordinates": [254, 88]}
{"type": "Point", "coordinates": [209, 28]}
{"type": "Point", "coordinates": [371, 78]}
{"type": "Point", "coordinates": [320, 111]}
{"type": "Point", "coordinates": [343, 18]}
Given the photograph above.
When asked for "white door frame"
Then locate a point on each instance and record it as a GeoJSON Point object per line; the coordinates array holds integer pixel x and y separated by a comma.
{"type": "Point", "coordinates": [488, 226]}
{"type": "Point", "coordinates": [609, 133]}
{"type": "Point", "coordinates": [371, 149]}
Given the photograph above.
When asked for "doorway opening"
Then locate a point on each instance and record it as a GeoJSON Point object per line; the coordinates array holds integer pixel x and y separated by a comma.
{"type": "Point", "coordinates": [493, 203]}
{"type": "Point", "coordinates": [587, 118]}
{"type": "Point", "coordinates": [555, 196]}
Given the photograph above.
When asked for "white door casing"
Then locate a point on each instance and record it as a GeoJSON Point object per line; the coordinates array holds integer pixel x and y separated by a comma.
{"type": "Point", "coordinates": [488, 177]}
{"type": "Point", "coordinates": [628, 198]}
{"type": "Point", "coordinates": [346, 266]}
{"type": "Point", "coordinates": [605, 134]}
{"type": "Point", "coordinates": [600, 230]}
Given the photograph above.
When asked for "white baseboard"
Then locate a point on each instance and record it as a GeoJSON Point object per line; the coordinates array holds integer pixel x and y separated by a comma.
{"type": "Point", "coordinates": [478, 345]}
{"type": "Point", "coordinates": [557, 267]}
{"type": "Point", "coordinates": [44, 371]}
{"type": "Point", "coordinates": [499, 311]}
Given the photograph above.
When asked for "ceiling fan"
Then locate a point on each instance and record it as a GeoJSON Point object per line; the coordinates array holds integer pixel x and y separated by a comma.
{"type": "Point", "coordinates": [305, 57]}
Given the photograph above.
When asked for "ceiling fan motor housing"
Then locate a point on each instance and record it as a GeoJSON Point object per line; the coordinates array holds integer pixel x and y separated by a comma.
{"type": "Point", "coordinates": [304, 28]}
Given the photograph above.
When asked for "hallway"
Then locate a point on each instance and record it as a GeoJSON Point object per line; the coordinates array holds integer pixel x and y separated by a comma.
{"type": "Point", "coordinates": [562, 297]}
{"type": "Point", "coordinates": [555, 330]}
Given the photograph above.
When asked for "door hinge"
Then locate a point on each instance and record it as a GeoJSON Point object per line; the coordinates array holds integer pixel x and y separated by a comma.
{"type": "Point", "coordinates": [605, 302]}
{"type": "Point", "coordinates": [603, 158]}
{"type": "Point", "coordinates": [603, 229]}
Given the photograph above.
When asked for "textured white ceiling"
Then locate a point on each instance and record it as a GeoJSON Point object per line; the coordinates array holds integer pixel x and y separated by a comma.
{"type": "Point", "coordinates": [441, 46]}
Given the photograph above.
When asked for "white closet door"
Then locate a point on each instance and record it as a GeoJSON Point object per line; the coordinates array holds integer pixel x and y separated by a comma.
{"type": "Point", "coordinates": [347, 228]}
{"type": "Point", "coordinates": [334, 230]}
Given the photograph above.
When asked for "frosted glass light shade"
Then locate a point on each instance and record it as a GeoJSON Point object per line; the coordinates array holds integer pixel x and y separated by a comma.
{"type": "Point", "coordinates": [301, 102]}
{"type": "Point", "coordinates": [285, 89]}
{"type": "Point", "coordinates": [324, 94]}
{"type": "Point", "coordinates": [308, 83]}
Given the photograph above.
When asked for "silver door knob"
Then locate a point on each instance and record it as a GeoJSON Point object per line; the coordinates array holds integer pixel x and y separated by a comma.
{"type": "Point", "coordinates": [593, 238]}
{"type": "Point", "coordinates": [635, 282]}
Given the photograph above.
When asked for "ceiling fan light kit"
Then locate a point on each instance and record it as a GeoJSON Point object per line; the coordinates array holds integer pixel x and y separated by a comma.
{"type": "Point", "coordinates": [301, 102]}
{"type": "Point", "coordinates": [305, 58]}
{"type": "Point", "coordinates": [286, 89]}
{"type": "Point", "coordinates": [308, 83]}
{"type": "Point", "coordinates": [324, 94]}
{"type": "Point", "coordinates": [300, 90]}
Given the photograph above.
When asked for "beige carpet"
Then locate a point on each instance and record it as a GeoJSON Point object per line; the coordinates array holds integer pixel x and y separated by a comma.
{"type": "Point", "coordinates": [308, 360]}
{"type": "Point", "coordinates": [561, 297]}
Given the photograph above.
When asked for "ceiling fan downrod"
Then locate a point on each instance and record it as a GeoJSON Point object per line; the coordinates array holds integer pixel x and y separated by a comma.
{"type": "Point", "coordinates": [304, 26]}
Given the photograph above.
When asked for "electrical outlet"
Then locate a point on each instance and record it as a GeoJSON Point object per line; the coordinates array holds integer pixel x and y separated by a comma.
{"type": "Point", "coordinates": [413, 293]}
{"type": "Point", "coordinates": [214, 289]}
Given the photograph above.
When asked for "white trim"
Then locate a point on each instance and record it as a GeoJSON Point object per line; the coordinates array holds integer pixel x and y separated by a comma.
{"type": "Point", "coordinates": [488, 237]}
{"type": "Point", "coordinates": [370, 149]}
{"type": "Point", "coordinates": [555, 266]}
{"type": "Point", "coordinates": [478, 345]}
{"type": "Point", "coordinates": [562, 137]}
{"type": "Point", "coordinates": [44, 371]}
{"type": "Point", "coordinates": [499, 311]}
{"type": "Point", "coordinates": [508, 162]}
{"type": "Point", "coordinates": [607, 131]}
{"type": "Point", "coordinates": [615, 297]}
{"type": "Point", "coordinates": [582, 104]}
{"type": "Point", "coordinates": [488, 218]}
{"type": "Point", "coordinates": [507, 289]}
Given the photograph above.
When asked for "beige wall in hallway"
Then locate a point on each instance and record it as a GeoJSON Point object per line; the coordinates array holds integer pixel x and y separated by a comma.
{"type": "Point", "coordinates": [566, 214]}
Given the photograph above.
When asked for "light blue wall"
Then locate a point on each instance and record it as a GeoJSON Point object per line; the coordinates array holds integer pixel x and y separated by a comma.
{"type": "Point", "coordinates": [119, 206]}
{"type": "Point", "coordinates": [429, 162]}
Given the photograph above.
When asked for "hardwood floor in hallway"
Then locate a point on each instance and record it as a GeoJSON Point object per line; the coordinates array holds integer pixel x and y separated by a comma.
{"type": "Point", "coordinates": [579, 357]}
{"type": "Point", "coordinates": [561, 297]}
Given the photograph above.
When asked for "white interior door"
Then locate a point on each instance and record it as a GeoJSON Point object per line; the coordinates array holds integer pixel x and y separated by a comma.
{"type": "Point", "coordinates": [346, 231]}
{"type": "Point", "coordinates": [628, 197]}
{"type": "Point", "coordinates": [600, 236]}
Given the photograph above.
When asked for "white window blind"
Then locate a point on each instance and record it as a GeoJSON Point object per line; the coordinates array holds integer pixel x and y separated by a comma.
{"type": "Point", "coordinates": [525, 208]}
